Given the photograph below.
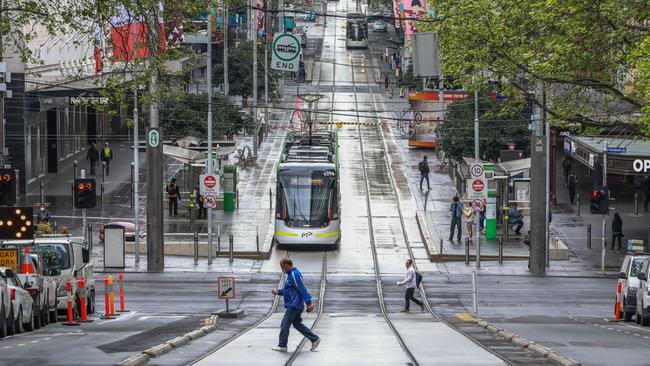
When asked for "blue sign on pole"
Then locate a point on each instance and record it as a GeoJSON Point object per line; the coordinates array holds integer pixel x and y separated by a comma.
{"type": "Point", "coordinates": [616, 150]}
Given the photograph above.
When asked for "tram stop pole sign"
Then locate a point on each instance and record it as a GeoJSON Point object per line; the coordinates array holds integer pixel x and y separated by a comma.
{"type": "Point", "coordinates": [477, 184]}
{"type": "Point", "coordinates": [286, 52]}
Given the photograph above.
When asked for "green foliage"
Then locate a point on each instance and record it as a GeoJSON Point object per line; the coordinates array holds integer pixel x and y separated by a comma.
{"type": "Point", "coordinates": [591, 56]}
{"type": "Point", "coordinates": [186, 115]}
{"type": "Point", "coordinates": [499, 125]}
{"type": "Point", "coordinates": [240, 72]}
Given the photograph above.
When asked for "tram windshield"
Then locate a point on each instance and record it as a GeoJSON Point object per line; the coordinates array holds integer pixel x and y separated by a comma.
{"type": "Point", "coordinates": [308, 197]}
{"type": "Point", "coordinates": [356, 31]}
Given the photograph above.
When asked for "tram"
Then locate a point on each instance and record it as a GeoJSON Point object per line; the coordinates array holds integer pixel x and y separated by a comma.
{"type": "Point", "coordinates": [356, 31]}
{"type": "Point", "coordinates": [307, 210]}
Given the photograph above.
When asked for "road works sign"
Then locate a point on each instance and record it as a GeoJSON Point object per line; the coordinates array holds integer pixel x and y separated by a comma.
{"type": "Point", "coordinates": [286, 52]}
{"type": "Point", "coordinates": [9, 259]}
{"type": "Point", "coordinates": [226, 287]}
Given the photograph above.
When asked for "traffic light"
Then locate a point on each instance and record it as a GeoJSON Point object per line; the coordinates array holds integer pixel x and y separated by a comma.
{"type": "Point", "coordinates": [7, 187]}
{"type": "Point", "coordinates": [84, 193]}
{"type": "Point", "coordinates": [16, 223]}
{"type": "Point", "coordinates": [599, 201]}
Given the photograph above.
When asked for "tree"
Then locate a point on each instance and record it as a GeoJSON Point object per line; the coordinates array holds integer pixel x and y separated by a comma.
{"type": "Point", "coordinates": [186, 115]}
{"type": "Point", "coordinates": [240, 73]}
{"type": "Point", "coordinates": [499, 125]}
{"type": "Point", "coordinates": [591, 56]}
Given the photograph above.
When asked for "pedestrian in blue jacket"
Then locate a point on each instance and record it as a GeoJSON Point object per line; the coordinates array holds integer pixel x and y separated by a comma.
{"type": "Point", "coordinates": [295, 297]}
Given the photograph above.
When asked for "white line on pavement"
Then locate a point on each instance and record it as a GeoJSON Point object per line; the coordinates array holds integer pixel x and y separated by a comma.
{"type": "Point", "coordinates": [118, 319]}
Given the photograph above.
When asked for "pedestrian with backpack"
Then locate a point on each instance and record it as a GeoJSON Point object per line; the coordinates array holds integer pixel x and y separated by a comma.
{"type": "Point", "coordinates": [412, 281]}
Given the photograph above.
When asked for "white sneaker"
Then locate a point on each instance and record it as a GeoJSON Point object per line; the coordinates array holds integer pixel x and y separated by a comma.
{"type": "Point", "coordinates": [279, 349]}
{"type": "Point", "coordinates": [314, 344]}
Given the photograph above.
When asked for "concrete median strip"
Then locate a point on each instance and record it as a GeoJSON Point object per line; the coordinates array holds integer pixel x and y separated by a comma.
{"type": "Point", "coordinates": [160, 349]}
{"type": "Point", "coordinates": [519, 341]}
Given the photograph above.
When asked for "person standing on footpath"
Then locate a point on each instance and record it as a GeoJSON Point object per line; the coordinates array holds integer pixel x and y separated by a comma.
{"type": "Point", "coordinates": [295, 297]}
{"type": "Point", "coordinates": [456, 209]}
{"type": "Point", "coordinates": [199, 203]}
{"type": "Point", "coordinates": [646, 189]}
{"type": "Point", "coordinates": [567, 165]}
{"type": "Point", "coordinates": [572, 184]}
{"type": "Point", "coordinates": [411, 283]}
{"type": "Point", "coordinates": [107, 156]}
{"type": "Point", "coordinates": [173, 196]}
{"type": "Point", "coordinates": [93, 157]}
{"type": "Point", "coordinates": [617, 231]}
{"type": "Point", "coordinates": [423, 167]}
{"type": "Point", "coordinates": [468, 213]}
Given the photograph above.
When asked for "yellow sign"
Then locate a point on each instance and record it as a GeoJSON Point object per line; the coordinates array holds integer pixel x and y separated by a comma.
{"type": "Point", "coordinates": [9, 259]}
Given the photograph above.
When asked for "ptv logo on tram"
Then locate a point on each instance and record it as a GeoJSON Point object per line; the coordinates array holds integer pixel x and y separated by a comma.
{"type": "Point", "coordinates": [307, 234]}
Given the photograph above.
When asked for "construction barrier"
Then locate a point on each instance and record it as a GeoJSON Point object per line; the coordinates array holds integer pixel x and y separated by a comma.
{"type": "Point", "coordinates": [81, 284]}
{"type": "Point", "coordinates": [107, 300]}
{"type": "Point", "coordinates": [68, 290]}
{"type": "Point", "coordinates": [619, 295]}
{"type": "Point", "coordinates": [26, 267]}
{"type": "Point", "coordinates": [120, 279]}
{"type": "Point", "coordinates": [111, 296]}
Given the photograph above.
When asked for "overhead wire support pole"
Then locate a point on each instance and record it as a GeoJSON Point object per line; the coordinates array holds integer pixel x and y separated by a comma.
{"type": "Point", "coordinates": [604, 218]}
{"type": "Point", "coordinates": [209, 160]}
{"type": "Point", "coordinates": [477, 158]}
{"type": "Point", "coordinates": [253, 33]}
{"type": "Point", "coordinates": [226, 27]}
{"type": "Point", "coordinates": [266, 68]}
{"type": "Point", "coordinates": [136, 150]}
{"type": "Point", "coordinates": [547, 182]}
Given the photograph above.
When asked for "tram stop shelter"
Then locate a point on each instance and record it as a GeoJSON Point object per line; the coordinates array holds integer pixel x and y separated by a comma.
{"type": "Point", "coordinates": [626, 157]}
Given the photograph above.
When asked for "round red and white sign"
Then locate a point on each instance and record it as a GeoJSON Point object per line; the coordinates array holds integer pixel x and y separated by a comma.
{"type": "Point", "coordinates": [209, 202]}
{"type": "Point", "coordinates": [210, 181]}
{"type": "Point", "coordinates": [477, 185]}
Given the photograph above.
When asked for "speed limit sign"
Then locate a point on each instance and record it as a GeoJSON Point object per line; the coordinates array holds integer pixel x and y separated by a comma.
{"type": "Point", "coordinates": [477, 171]}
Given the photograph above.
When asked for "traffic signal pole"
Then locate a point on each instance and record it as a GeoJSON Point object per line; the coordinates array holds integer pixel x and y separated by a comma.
{"type": "Point", "coordinates": [209, 160]}
{"type": "Point", "coordinates": [604, 219]}
{"type": "Point", "coordinates": [82, 175]}
{"type": "Point", "coordinates": [537, 264]}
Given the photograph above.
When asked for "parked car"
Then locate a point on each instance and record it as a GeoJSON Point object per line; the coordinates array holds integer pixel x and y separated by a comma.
{"type": "Point", "coordinates": [379, 26]}
{"type": "Point", "coordinates": [42, 287]}
{"type": "Point", "coordinates": [129, 230]}
{"type": "Point", "coordinates": [627, 276]}
{"type": "Point", "coordinates": [5, 304]}
{"type": "Point", "coordinates": [22, 315]}
{"type": "Point", "coordinates": [642, 309]}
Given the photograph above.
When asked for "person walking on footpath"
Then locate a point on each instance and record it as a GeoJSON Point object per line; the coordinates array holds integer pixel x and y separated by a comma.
{"type": "Point", "coordinates": [456, 209]}
{"type": "Point", "coordinates": [617, 231]}
{"type": "Point", "coordinates": [173, 196]}
{"type": "Point", "coordinates": [107, 156]}
{"type": "Point", "coordinates": [572, 184]}
{"type": "Point", "coordinates": [423, 167]}
{"type": "Point", "coordinates": [295, 297]}
{"type": "Point", "coordinates": [468, 213]}
{"type": "Point", "coordinates": [411, 283]}
{"type": "Point", "coordinates": [567, 165]}
{"type": "Point", "coordinates": [93, 157]}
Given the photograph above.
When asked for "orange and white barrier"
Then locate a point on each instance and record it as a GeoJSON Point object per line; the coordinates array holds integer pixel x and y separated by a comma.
{"type": "Point", "coordinates": [111, 296]}
{"type": "Point", "coordinates": [68, 290]}
{"type": "Point", "coordinates": [107, 300]}
{"type": "Point", "coordinates": [619, 298]}
{"type": "Point", "coordinates": [26, 267]}
{"type": "Point", "coordinates": [120, 279]}
{"type": "Point", "coordinates": [81, 283]}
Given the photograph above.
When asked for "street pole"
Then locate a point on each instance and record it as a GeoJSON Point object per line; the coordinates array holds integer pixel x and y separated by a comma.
{"type": "Point", "coordinates": [537, 264]}
{"type": "Point", "coordinates": [266, 69]}
{"type": "Point", "coordinates": [136, 158]}
{"type": "Point", "coordinates": [155, 221]}
{"type": "Point", "coordinates": [209, 161]}
{"type": "Point", "coordinates": [84, 219]}
{"type": "Point", "coordinates": [226, 84]}
{"type": "Point", "coordinates": [253, 24]}
{"type": "Point", "coordinates": [547, 182]}
{"type": "Point", "coordinates": [604, 219]}
{"type": "Point", "coordinates": [477, 159]}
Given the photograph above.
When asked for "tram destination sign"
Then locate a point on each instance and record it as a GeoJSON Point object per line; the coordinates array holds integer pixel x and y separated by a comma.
{"type": "Point", "coordinates": [286, 52]}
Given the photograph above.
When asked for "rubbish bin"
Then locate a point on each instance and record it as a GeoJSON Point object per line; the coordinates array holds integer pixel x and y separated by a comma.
{"type": "Point", "coordinates": [114, 242]}
{"type": "Point", "coordinates": [229, 183]}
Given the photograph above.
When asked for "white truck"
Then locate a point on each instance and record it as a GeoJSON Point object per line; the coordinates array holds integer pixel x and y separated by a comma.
{"type": "Point", "coordinates": [64, 258]}
{"type": "Point", "coordinates": [42, 288]}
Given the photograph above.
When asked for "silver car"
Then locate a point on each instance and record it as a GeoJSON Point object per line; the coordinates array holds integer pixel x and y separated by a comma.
{"type": "Point", "coordinates": [643, 296]}
{"type": "Point", "coordinates": [22, 314]}
{"type": "Point", "coordinates": [5, 305]}
{"type": "Point", "coordinates": [627, 276]}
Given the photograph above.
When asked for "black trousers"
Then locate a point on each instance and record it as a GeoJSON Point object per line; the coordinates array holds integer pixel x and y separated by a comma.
{"type": "Point", "coordinates": [620, 240]}
{"type": "Point", "coordinates": [173, 205]}
{"type": "Point", "coordinates": [93, 164]}
{"type": "Point", "coordinates": [410, 296]}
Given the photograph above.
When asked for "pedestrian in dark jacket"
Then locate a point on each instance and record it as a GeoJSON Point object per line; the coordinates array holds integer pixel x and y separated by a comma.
{"type": "Point", "coordinates": [173, 195]}
{"type": "Point", "coordinates": [423, 167]}
{"type": "Point", "coordinates": [93, 157]}
{"type": "Point", "coordinates": [572, 184]}
{"type": "Point", "coordinates": [646, 189]}
{"type": "Point", "coordinates": [567, 165]}
{"type": "Point", "coordinates": [456, 209]}
{"type": "Point", "coordinates": [617, 231]}
{"type": "Point", "coordinates": [295, 297]}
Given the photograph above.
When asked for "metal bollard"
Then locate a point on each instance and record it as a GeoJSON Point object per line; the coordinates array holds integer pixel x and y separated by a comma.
{"type": "Point", "coordinates": [426, 198]}
{"type": "Point", "coordinates": [506, 226]}
{"type": "Point", "coordinates": [474, 294]}
{"type": "Point", "coordinates": [72, 194]}
{"type": "Point", "coordinates": [270, 199]}
{"type": "Point", "coordinates": [237, 197]}
{"type": "Point", "coordinates": [500, 250]}
{"type": "Point", "coordinates": [103, 171]}
{"type": "Point", "coordinates": [578, 205]}
{"type": "Point", "coordinates": [218, 240]}
{"type": "Point", "coordinates": [589, 236]}
{"type": "Point", "coordinates": [90, 236]}
{"type": "Point", "coordinates": [101, 203]}
{"type": "Point", "coordinates": [230, 248]}
{"type": "Point", "coordinates": [636, 203]}
{"type": "Point", "coordinates": [74, 163]}
{"type": "Point", "coordinates": [257, 240]}
{"type": "Point", "coordinates": [196, 247]}
{"type": "Point", "coordinates": [467, 252]}
{"type": "Point", "coordinates": [441, 247]}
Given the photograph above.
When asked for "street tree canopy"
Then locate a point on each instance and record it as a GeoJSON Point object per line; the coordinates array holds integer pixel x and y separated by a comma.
{"type": "Point", "coordinates": [499, 125]}
{"type": "Point", "coordinates": [592, 57]}
{"type": "Point", "coordinates": [185, 115]}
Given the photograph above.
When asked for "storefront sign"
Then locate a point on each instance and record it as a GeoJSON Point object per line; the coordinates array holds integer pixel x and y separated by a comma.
{"type": "Point", "coordinates": [641, 165]}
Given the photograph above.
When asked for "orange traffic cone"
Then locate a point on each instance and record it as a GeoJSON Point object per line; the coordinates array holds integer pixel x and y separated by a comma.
{"type": "Point", "coordinates": [27, 267]}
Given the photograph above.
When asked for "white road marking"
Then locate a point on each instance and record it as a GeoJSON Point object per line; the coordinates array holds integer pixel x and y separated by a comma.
{"type": "Point", "coordinates": [162, 317]}
{"type": "Point", "coordinates": [118, 319]}
{"type": "Point", "coordinates": [636, 327]}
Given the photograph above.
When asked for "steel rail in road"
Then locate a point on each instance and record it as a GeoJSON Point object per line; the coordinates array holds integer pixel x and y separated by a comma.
{"type": "Point", "coordinates": [407, 242]}
{"type": "Point", "coordinates": [380, 293]}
